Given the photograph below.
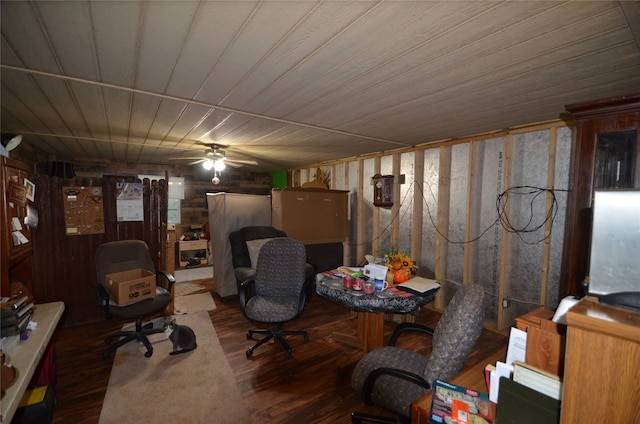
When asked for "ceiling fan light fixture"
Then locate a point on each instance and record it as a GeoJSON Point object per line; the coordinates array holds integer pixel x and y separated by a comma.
{"type": "Point", "coordinates": [219, 165]}
{"type": "Point", "coordinates": [207, 164]}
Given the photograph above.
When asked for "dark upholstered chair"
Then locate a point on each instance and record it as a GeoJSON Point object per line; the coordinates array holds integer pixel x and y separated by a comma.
{"type": "Point", "coordinates": [241, 254]}
{"type": "Point", "coordinates": [124, 255]}
{"type": "Point", "coordinates": [279, 291]}
{"type": "Point", "coordinates": [392, 377]}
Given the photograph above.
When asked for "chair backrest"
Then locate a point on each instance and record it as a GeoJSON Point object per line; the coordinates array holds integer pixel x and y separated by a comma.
{"type": "Point", "coordinates": [456, 333]}
{"type": "Point", "coordinates": [122, 255]}
{"type": "Point", "coordinates": [281, 268]}
{"type": "Point", "coordinates": [238, 240]}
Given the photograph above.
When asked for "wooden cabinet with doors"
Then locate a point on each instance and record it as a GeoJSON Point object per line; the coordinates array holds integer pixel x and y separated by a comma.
{"type": "Point", "coordinates": [602, 373]}
{"type": "Point", "coordinates": [16, 247]}
{"type": "Point", "coordinates": [606, 155]}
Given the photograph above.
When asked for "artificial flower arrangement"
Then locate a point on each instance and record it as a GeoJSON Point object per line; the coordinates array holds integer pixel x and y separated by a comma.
{"type": "Point", "coordinates": [400, 265]}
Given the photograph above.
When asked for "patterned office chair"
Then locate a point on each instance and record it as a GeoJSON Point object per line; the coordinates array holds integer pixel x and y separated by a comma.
{"type": "Point", "coordinates": [392, 377]}
{"type": "Point", "coordinates": [278, 287]}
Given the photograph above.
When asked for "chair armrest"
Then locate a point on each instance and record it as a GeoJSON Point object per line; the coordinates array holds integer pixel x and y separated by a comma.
{"type": "Point", "coordinates": [393, 372]}
{"type": "Point", "coordinates": [103, 297]}
{"type": "Point", "coordinates": [408, 327]}
{"type": "Point", "coordinates": [303, 297]}
{"type": "Point", "coordinates": [244, 294]}
{"type": "Point", "coordinates": [170, 279]}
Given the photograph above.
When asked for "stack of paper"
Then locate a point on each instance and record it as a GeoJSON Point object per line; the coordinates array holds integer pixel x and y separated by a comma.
{"type": "Point", "coordinates": [419, 285]}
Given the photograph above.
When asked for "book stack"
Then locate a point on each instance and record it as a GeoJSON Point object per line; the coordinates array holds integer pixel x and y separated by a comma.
{"type": "Point", "coordinates": [14, 316]}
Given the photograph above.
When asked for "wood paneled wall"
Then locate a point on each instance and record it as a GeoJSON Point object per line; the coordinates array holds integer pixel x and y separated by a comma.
{"type": "Point", "coordinates": [64, 266]}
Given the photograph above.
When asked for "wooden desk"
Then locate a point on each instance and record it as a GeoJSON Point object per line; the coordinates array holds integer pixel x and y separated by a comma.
{"type": "Point", "coordinates": [26, 357]}
{"type": "Point", "coordinates": [472, 378]}
{"type": "Point", "coordinates": [601, 364]}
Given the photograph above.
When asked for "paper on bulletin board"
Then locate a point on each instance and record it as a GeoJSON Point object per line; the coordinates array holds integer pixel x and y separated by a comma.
{"type": "Point", "coordinates": [83, 210]}
{"type": "Point", "coordinates": [129, 202]}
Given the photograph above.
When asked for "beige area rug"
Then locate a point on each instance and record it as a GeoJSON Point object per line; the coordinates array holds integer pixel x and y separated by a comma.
{"type": "Point", "coordinates": [192, 274]}
{"type": "Point", "coordinates": [183, 289]}
{"type": "Point", "coordinates": [192, 387]}
{"type": "Point", "coordinates": [193, 303]}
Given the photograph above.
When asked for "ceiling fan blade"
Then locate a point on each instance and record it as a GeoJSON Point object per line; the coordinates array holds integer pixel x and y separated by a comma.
{"type": "Point", "coordinates": [187, 158]}
{"type": "Point", "coordinates": [195, 162]}
{"type": "Point", "coordinates": [241, 161]}
{"type": "Point", "coordinates": [233, 164]}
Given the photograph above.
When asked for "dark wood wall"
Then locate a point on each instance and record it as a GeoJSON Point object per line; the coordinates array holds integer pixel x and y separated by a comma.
{"type": "Point", "coordinates": [64, 266]}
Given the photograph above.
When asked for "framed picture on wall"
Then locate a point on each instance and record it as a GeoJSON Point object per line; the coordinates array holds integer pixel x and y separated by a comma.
{"type": "Point", "coordinates": [31, 190]}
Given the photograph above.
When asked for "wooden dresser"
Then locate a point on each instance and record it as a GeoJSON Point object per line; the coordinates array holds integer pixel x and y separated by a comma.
{"type": "Point", "coordinates": [601, 364]}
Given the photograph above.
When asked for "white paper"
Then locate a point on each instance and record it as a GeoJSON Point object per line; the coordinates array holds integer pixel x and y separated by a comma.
{"type": "Point", "coordinates": [19, 238]}
{"type": "Point", "coordinates": [517, 349]}
{"type": "Point", "coordinates": [15, 224]}
{"type": "Point", "coordinates": [502, 370]}
{"type": "Point", "coordinates": [421, 284]}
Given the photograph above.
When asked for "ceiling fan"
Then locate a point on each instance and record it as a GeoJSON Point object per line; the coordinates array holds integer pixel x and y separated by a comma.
{"type": "Point", "coordinates": [214, 157]}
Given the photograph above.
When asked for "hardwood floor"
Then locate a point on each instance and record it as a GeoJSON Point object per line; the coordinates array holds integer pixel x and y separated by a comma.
{"type": "Point", "coordinates": [312, 387]}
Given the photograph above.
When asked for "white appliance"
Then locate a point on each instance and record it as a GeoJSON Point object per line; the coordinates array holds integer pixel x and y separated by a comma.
{"type": "Point", "coordinates": [229, 212]}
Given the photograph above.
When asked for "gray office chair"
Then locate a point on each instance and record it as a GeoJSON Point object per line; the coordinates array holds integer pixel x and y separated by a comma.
{"type": "Point", "coordinates": [279, 295]}
{"type": "Point", "coordinates": [124, 255]}
{"type": "Point", "coordinates": [392, 377]}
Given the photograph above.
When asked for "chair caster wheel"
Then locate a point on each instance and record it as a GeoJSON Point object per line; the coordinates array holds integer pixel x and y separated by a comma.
{"type": "Point", "coordinates": [249, 335]}
{"type": "Point", "coordinates": [105, 356]}
{"type": "Point", "coordinates": [287, 355]}
{"type": "Point", "coordinates": [107, 340]}
{"type": "Point", "coordinates": [249, 353]}
{"type": "Point", "coordinates": [148, 354]}
{"type": "Point", "coordinates": [306, 337]}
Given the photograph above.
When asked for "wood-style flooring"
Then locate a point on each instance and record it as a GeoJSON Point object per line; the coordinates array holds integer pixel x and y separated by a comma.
{"type": "Point", "coordinates": [313, 386]}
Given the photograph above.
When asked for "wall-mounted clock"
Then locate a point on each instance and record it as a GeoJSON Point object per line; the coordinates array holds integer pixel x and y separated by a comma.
{"type": "Point", "coordinates": [383, 190]}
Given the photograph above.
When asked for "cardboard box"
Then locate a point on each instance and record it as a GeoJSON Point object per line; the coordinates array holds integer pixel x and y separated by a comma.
{"type": "Point", "coordinates": [130, 286]}
{"type": "Point", "coordinates": [311, 215]}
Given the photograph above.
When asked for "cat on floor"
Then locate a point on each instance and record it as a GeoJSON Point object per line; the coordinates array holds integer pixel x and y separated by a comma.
{"type": "Point", "coordinates": [182, 337]}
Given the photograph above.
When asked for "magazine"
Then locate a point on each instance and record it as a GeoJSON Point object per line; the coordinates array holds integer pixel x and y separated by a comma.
{"type": "Point", "coordinates": [455, 404]}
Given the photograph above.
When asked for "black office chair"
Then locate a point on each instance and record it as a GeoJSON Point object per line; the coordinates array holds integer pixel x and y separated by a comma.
{"type": "Point", "coordinates": [393, 377]}
{"type": "Point", "coordinates": [124, 255]}
{"type": "Point", "coordinates": [279, 294]}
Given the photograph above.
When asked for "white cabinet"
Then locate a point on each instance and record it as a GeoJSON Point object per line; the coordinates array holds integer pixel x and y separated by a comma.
{"type": "Point", "coordinates": [229, 212]}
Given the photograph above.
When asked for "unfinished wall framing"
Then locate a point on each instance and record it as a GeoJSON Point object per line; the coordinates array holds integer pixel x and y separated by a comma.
{"type": "Point", "coordinates": [484, 209]}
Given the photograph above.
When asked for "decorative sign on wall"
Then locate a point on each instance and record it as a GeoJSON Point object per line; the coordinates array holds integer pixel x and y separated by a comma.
{"type": "Point", "coordinates": [83, 210]}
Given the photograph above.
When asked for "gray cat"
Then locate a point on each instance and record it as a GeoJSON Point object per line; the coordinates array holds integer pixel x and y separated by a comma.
{"type": "Point", "coordinates": [182, 337]}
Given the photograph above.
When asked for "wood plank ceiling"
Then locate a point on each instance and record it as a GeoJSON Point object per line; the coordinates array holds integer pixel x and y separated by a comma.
{"type": "Point", "coordinates": [292, 83]}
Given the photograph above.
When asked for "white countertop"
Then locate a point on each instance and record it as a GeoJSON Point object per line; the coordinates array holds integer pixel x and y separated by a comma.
{"type": "Point", "coordinates": [26, 357]}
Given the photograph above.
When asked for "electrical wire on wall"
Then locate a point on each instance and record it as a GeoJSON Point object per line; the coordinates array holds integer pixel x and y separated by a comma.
{"type": "Point", "coordinates": [529, 226]}
{"type": "Point", "coordinates": [501, 215]}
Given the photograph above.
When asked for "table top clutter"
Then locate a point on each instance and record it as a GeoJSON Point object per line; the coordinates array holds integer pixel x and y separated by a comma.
{"type": "Point", "coordinates": [329, 284]}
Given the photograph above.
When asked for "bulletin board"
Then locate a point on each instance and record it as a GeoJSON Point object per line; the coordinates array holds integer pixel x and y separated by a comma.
{"type": "Point", "coordinates": [83, 210]}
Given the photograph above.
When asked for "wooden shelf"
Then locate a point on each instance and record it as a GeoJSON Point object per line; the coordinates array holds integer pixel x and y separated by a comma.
{"type": "Point", "coordinates": [186, 250]}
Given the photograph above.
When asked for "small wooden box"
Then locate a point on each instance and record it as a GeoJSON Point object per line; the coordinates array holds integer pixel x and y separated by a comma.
{"type": "Point", "coordinates": [545, 340]}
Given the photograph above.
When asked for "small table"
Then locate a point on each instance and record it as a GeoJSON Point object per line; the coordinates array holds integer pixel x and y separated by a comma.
{"type": "Point", "coordinates": [370, 307]}
{"type": "Point", "coordinates": [27, 355]}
